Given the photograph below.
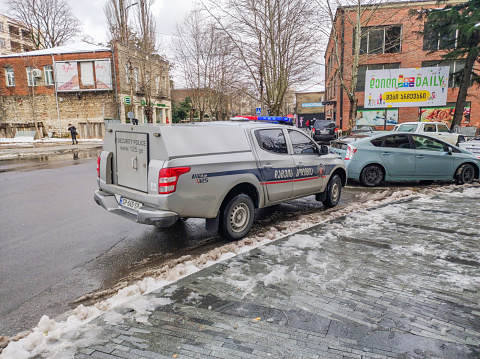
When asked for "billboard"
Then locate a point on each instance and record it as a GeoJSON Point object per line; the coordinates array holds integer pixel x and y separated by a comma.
{"type": "Point", "coordinates": [426, 86]}
{"type": "Point", "coordinates": [66, 76]}
{"type": "Point", "coordinates": [379, 117]}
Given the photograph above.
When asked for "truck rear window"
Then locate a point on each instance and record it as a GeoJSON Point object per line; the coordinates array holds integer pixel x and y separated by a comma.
{"type": "Point", "coordinates": [272, 140]}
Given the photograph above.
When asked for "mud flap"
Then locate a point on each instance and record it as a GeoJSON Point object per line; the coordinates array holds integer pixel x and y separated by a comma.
{"type": "Point", "coordinates": [320, 197]}
{"type": "Point", "coordinates": [211, 224]}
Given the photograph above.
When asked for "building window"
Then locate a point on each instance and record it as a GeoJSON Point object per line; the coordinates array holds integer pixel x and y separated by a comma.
{"type": "Point", "coordinates": [135, 77]}
{"type": "Point", "coordinates": [32, 81]}
{"type": "Point", "coordinates": [127, 73]}
{"type": "Point", "coordinates": [1, 27]}
{"type": "Point", "coordinates": [439, 40]}
{"type": "Point", "coordinates": [48, 71]}
{"type": "Point", "coordinates": [157, 84]}
{"type": "Point", "coordinates": [362, 72]}
{"type": "Point", "coordinates": [455, 72]}
{"type": "Point", "coordinates": [10, 76]}
{"type": "Point", "coordinates": [2, 42]}
{"type": "Point", "coordinates": [380, 40]}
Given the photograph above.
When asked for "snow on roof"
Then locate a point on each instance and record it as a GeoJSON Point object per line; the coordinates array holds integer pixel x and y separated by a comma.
{"type": "Point", "coordinates": [75, 48]}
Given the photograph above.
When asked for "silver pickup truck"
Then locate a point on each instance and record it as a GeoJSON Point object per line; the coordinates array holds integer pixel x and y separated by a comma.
{"type": "Point", "coordinates": [221, 171]}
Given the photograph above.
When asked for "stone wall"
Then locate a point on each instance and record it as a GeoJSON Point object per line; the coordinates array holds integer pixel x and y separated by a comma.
{"type": "Point", "coordinates": [88, 108]}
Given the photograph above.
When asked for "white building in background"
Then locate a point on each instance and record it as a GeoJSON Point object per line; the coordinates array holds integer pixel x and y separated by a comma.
{"type": "Point", "coordinates": [14, 36]}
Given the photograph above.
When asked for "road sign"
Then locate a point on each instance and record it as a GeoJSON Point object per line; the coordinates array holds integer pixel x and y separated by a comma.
{"type": "Point", "coordinates": [127, 100]}
{"type": "Point", "coordinates": [259, 111]}
{"type": "Point", "coordinates": [130, 115]}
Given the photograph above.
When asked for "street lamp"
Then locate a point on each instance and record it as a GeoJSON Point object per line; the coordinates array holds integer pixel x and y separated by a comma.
{"type": "Point", "coordinates": [125, 25]}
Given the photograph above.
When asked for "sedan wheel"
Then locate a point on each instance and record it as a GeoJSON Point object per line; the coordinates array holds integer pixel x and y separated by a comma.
{"type": "Point", "coordinates": [465, 174]}
{"type": "Point", "coordinates": [371, 176]}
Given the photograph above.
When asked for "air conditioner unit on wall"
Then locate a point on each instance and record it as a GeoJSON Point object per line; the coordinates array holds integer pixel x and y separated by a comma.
{"type": "Point", "coordinates": [37, 73]}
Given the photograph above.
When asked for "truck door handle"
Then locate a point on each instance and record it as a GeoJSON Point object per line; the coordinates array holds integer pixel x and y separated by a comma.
{"type": "Point", "coordinates": [134, 163]}
{"type": "Point", "coordinates": [268, 167]}
{"type": "Point", "coordinates": [299, 164]}
{"type": "Point", "coordinates": [420, 156]}
{"type": "Point", "coordinates": [386, 154]}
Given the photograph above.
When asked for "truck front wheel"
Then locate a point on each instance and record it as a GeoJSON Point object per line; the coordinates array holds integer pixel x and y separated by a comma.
{"type": "Point", "coordinates": [237, 217]}
{"type": "Point", "coordinates": [334, 190]}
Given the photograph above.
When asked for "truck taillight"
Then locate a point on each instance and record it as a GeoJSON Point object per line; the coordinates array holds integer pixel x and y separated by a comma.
{"type": "Point", "coordinates": [98, 167]}
{"type": "Point", "coordinates": [168, 178]}
{"type": "Point", "coordinates": [350, 152]}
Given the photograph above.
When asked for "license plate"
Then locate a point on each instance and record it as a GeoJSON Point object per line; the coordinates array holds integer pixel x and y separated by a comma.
{"type": "Point", "coordinates": [130, 203]}
{"type": "Point", "coordinates": [474, 150]}
{"type": "Point", "coordinates": [323, 132]}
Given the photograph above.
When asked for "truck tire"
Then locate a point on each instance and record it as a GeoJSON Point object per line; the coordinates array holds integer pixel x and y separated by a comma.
{"type": "Point", "coordinates": [334, 190]}
{"type": "Point", "coordinates": [237, 217]}
{"type": "Point", "coordinates": [371, 176]}
{"type": "Point", "coordinates": [464, 174]}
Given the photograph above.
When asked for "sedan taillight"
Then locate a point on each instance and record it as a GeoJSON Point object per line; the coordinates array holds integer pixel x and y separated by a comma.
{"type": "Point", "coordinates": [350, 152]}
{"type": "Point", "coordinates": [168, 178]}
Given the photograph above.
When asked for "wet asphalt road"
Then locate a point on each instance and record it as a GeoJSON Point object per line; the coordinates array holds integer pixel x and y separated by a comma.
{"type": "Point", "coordinates": [57, 244]}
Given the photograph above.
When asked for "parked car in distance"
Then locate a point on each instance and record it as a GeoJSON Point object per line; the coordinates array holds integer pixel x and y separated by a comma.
{"type": "Point", "coordinates": [434, 129]}
{"type": "Point", "coordinates": [401, 156]}
{"type": "Point", "coordinates": [472, 146]}
{"type": "Point", "coordinates": [363, 128]}
{"type": "Point", "coordinates": [324, 131]}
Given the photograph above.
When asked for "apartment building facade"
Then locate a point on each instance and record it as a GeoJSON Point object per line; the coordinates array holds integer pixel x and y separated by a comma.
{"type": "Point", "coordinates": [14, 36]}
{"type": "Point", "coordinates": [390, 40]}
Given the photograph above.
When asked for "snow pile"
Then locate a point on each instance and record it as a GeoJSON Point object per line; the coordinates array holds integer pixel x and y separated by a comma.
{"type": "Point", "coordinates": [61, 339]}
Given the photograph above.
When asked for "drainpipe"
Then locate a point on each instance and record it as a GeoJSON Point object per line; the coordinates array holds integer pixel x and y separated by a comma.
{"type": "Point", "coordinates": [341, 68]}
{"type": "Point", "coordinates": [56, 97]}
{"type": "Point", "coordinates": [115, 78]}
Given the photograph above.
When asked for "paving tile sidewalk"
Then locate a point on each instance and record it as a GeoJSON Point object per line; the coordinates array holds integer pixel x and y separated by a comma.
{"type": "Point", "coordinates": [400, 281]}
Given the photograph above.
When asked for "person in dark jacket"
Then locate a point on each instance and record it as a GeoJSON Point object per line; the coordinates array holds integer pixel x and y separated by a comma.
{"type": "Point", "coordinates": [73, 132]}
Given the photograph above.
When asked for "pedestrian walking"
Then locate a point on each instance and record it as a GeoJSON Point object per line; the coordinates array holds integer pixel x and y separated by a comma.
{"type": "Point", "coordinates": [73, 132]}
{"type": "Point", "coordinates": [307, 125]}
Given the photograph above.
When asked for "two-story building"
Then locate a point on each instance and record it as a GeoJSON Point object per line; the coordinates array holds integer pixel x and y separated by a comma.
{"type": "Point", "coordinates": [390, 40]}
{"type": "Point", "coordinates": [82, 84]}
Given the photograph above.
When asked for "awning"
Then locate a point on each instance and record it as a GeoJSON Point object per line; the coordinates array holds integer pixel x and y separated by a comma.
{"type": "Point", "coordinates": [331, 102]}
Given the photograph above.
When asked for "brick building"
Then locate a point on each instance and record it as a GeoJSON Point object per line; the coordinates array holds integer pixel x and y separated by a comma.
{"type": "Point", "coordinates": [309, 106]}
{"type": "Point", "coordinates": [390, 40]}
{"type": "Point", "coordinates": [82, 84]}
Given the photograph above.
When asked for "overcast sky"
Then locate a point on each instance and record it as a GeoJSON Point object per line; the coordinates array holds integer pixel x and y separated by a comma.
{"type": "Point", "coordinates": [90, 12]}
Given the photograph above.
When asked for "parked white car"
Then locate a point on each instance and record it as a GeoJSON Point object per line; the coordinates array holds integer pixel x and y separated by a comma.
{"type": "Point", "coordinates": [434, 129]}
{"type": "Point", "coordinates": [471, 146]}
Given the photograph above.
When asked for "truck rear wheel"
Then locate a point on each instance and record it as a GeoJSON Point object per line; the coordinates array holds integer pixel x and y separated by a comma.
{"type": "Point", "coordinates": [237, 217]}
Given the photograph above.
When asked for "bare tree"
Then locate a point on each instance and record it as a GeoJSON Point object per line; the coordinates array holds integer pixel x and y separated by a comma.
{"type": "Point", "coordinates": [205, 56]}
{"type": "Point", "coordinates": [119, 27]}
{"type": "Point", "coordinates": [146, 42]}
{"type": "Point", "coordinates": [273, 39]}
{"type": "Point", "coordinates": [51, 22]}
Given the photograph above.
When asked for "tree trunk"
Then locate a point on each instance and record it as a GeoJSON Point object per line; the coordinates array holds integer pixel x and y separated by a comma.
{"type": "Point", "coordinates": [462, 92]}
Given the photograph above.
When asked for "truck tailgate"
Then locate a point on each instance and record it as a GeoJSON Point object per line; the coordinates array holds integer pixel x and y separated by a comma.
{"type": "Point", "coordinates": [132, 160]}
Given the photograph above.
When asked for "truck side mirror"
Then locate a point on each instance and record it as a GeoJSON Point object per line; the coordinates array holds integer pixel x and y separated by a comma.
{"type": "Point", "coordinates": [324, 150]}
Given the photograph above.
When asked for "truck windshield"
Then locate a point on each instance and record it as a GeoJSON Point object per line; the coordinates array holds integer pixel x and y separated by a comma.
{"type": "Point", "coordinates": [407, 128]}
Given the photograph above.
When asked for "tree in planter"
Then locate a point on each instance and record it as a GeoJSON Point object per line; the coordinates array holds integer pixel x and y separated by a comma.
{"type": "Point", "coordinates": [456, 27]}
